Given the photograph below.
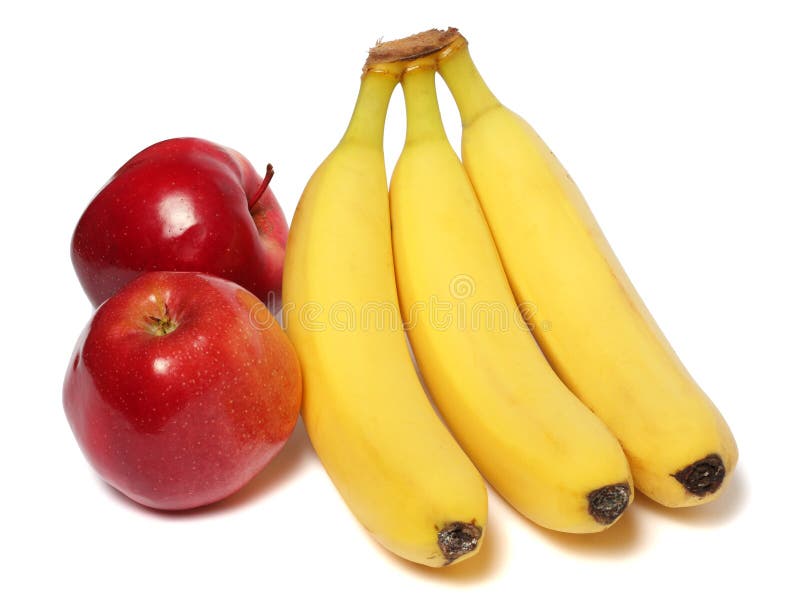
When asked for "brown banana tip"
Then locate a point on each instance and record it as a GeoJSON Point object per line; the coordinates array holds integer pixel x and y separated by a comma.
{"type": "Point", "coordinates": [702, 477]}
{"type": "Point", "coordinates": [609, 502]}
{"type": "Point", "coordinates": [457, 539]}
{"type": "Point", "coordinates": [412, 47]}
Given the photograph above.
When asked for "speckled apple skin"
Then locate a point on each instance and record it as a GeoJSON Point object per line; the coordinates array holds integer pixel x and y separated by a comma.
{"type": "Point", "coordinates": [186, 418]}
{"type": "Point", "coordinates": [182, 204]}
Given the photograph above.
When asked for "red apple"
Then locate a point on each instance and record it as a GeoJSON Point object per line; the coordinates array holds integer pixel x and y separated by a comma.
{"type": "Point", "coordinates": [182, 205]}
{"type": "Point", "coordinates": [181, 388]}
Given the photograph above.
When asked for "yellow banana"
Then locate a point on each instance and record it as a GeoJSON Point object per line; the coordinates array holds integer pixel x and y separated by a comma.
{"type": "Point", "coordinates": [599, 337]}
{"type": "Point", "coordinates": [369, 420]}
{"type": "Point", "coordinates": [535, 442]}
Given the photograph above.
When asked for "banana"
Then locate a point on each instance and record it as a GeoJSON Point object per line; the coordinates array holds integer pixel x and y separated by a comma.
{"type": "Point", "coordinates": [599, 337]}
{"type": "Point", "coordinates": [534, 441]}
{"type": "Point", "coordinates": [394, 463]}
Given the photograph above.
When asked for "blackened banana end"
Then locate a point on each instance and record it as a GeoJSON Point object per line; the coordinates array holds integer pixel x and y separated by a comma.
{"type": "Point", "coordinates": [457, 539]}
{"type": "Point", "coordinates": [609, 502]}
{"type": "Point", "coordinates": [702, 477]}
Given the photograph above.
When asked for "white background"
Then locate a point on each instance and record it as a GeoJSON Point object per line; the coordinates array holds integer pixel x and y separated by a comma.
{"type": "Point", "coordinates": [680, 124]}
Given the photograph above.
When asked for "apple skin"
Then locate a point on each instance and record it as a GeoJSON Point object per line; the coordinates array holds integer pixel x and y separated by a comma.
{"type": "Point", "coordinates": [182, 204]}
{"type": "Point", "coordinates": [185, 418]}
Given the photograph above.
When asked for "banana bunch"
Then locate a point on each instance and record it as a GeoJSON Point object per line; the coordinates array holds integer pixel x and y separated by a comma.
{"type": "Point", "coordinates": [464, 260]}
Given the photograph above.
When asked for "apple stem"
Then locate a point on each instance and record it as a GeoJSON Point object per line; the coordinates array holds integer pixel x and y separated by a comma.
{"type": "Point", "coordinates": [263, 187]}
{"type": "Point", "coordinates": [161, 326]}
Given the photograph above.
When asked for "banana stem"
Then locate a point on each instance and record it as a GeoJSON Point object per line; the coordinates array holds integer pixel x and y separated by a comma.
{"type": "Point", "coordinates": [423, 118]}
{"type": "Point", "coordinates": [369, 116]}
{"type": "Point", "coordinates": [468, 88]}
